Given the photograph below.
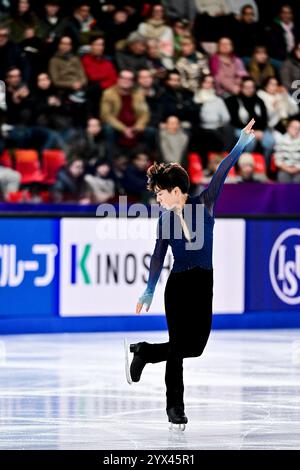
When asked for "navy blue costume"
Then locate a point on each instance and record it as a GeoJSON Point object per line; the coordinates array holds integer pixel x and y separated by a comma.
{"type": "Point", "coordinates": [189, 288]}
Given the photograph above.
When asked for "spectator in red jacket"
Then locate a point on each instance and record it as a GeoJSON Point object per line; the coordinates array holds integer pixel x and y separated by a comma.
{"type": "Point", "coordinates": [100, 72]}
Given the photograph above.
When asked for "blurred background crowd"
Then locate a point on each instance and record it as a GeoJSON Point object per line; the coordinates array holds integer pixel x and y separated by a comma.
{"type": "Point", "coordinates": [92, 92]}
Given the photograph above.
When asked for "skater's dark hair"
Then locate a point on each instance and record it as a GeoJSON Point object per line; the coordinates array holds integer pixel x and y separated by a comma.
{"type": "Point", "coordinates": [168, 176]}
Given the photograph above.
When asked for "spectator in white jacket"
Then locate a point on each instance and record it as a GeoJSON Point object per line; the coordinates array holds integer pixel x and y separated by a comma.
{"type": "Point", "coordinates": [280, 105]}
{"type": "Point", "coordinates": [287, 153]}
{"type": "Point", "coordinates": [215, 134]}
{"type": "Point", "coordinates": [213, 111]}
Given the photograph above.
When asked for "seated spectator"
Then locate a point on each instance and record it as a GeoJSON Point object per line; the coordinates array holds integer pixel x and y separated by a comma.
{"type": "Point", "coordinates": [88, 143]}
{"type": "Point", "coordinates": [152, 94]}
{"type": "Point", "coordinates": [17, 98]}
{"type": "Point", "coordinates": [81, 25]}
{"type": "Point", "coordinates": [177, 101]}
{"type": "Point", "coordinates": [173, 141]}
{"type": "Point", "coordinates": [101, 183]}
{"type": "Point", "coordinates": [246, 104]}
{"type": "Point", "coordinates": [215, 132]}
{"type": "Point", "coordinates": [227, 69]}
{"type": "Point", "coordinates": [211, 20]}
{"type": "Point", "coordinates": [116, 29]}
{"type": "Point", "coordinates": [154, 63]}
{"type": "Point", "coordinates": [70, 185]}
{"type": "Point", "coordinates": [287, 153]}
{"type": "Point", "coordinates": [260, 67]}
{"type": "Point", "coordinates": [51, 23]}
{"type": "Point", "coordinates": [290, 69]}
{"type": "Point", "coordinates": [119, 165]}
{"type": "Point", "coordinates": [236, 7]}
{"type": "Point", "coordinates": [100, 73]}
{"type": "Point", "coordinates": [32, 47]}
{"type": "Point", "coordinates": [11, 56]}
{"type": "Point", "coordinates": [180, 30]}
{"type": "Point", "coordinates": [133, 57]}
{"type": "Point", "coordinates": [192, 65]}
{"type": "Point", "coordinates": [246, 169]}
{"type": "Point", "coordinates": [178, 9]}
{"type": "Point", "coordinates": [47, 106]}
{"type": "Point", "coordinates": [135, 177]}
{"type": "Point", "coordinates": [155, 27]}
{"type": "Point", "coordinates": [282, 35]}
{"type": "Point", "coordinates": [246, 32]}
{"type": "Point", "coordinates": [9, 181]}
{"type": "Point", "coordinates": [66, 71]}
{"type": "Point", "coordinates": [212, 166]}
{"type": "Point", "coordinates": [279, 104]}
{"type": "Point", "coordinates": [21, 18]}
{"type": "Point", "coordinates": [213, 111]}
{"type": "Point", "coordinates": [124, 112]}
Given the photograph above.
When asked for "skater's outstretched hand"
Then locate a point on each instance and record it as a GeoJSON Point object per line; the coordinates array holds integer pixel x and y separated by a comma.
{"type": "Point", "coordinates": [248, 129]}
{"type": "Point", "coordinates": [146, 299]}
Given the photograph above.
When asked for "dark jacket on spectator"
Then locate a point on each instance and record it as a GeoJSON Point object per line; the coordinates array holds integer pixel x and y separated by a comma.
{"type": "Point", "coordinates": [67, 188]}
{"type": "Point", "coordinates": [242, 108]}
{"type": "Point", "coordinates": [134, 181]}
{"type": "Point", "coordinates": [179, 103]}
{"type": "Point", "coordinates": [126, 60]}
{"type": "Point", "coordinates": [276, 42]}
{"type": "Point", "coordinates": [11, 56]}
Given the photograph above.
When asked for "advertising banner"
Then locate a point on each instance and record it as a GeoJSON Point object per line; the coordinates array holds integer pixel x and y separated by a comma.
{"type": "Point", "coordinates": [29, 267]}
{"type": "Point", "coordinates": [273, 265]}
{"type": "Point", "coordinates": [104, 266]}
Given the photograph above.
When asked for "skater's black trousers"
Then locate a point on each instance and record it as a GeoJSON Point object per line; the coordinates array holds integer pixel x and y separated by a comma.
{"type": "Point", "coordinates": [188, 306]}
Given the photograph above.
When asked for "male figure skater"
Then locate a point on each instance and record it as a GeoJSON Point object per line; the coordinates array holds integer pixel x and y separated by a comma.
{"type": "Point", "coordinates": [189, 288]}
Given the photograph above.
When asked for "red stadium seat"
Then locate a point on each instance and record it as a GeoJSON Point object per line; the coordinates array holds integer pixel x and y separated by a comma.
{"type": "Point", "coordinates": [259, 163]}
{"type": "Point", "coordinates": [195, 169]}
{"type": "Point", "coordinates": [52, 161]}
{"type": "Point", "coordinates": [27, 163]}
{"type": "Point", "coordinates": [273, 166]}
{"type": "Point", "coordinates": [5, 159]}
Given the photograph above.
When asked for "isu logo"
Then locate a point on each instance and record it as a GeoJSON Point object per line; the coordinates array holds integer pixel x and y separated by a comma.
{"type": "Point", "coordinates": [284, 266]}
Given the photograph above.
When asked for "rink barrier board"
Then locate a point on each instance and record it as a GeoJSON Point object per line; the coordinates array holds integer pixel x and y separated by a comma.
{"type": "Point", "coordinates": [261, 311]}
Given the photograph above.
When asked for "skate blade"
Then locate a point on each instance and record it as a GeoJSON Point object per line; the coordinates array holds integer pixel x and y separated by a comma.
{"type": "Point", "coordinates": [127, 362]}
{"type": "Point", "coordinates": [177, 427]}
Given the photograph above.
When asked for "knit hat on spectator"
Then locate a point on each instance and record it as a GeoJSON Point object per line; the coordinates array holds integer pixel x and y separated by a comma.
{"type": "Point", "coordinates": [135, 37]}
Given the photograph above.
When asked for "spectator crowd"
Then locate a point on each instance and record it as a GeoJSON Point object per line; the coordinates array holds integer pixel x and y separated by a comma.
{"type": "Point", "coordinates": [96, 91]}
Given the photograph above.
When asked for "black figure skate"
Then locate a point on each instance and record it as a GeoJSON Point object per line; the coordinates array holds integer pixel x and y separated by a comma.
{"type": "Point", "coordinates": [135, 369]}
{"type": "Point", "coordinates": [177, 418]}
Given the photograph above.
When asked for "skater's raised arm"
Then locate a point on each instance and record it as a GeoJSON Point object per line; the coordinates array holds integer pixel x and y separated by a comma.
{"type": "Point", "coordinates": [209, 196]}
{"type": "Point", "coordinates": [156, 264]}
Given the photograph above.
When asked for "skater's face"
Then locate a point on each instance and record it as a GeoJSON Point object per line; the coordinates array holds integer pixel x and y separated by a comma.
{"type": "Point", "coordinates": [168, 199]}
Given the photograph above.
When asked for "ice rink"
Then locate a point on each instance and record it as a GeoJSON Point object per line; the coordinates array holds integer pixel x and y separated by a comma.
{"type": "Point", "coordinates": [69, 392]}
